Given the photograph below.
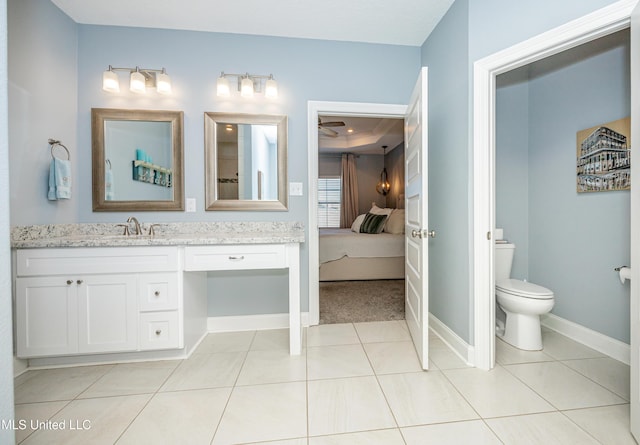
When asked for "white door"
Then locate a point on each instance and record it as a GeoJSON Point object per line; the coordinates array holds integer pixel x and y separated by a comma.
{"type": "Point", "coordinates": [416, 232]}
{"type": "Point", "coordinates": [635, 221]}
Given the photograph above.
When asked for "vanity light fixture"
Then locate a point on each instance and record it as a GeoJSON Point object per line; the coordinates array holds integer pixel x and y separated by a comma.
{"type": "Point", "coordinates": [139, 80]}
{"type": "Point", "coordinates": [248, 85]}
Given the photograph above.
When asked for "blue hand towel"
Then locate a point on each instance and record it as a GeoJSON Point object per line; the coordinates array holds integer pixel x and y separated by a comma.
{"type": "Point", "coordinates": [59, 179]}
{"type": "Point", "coordinates": [108, 185]}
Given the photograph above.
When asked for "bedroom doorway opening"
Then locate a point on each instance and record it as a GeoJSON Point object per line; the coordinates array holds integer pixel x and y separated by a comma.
{"type": "Point", "coordinates": [382, 116]}
{"type": "Point", "coordinates": [360, 172]}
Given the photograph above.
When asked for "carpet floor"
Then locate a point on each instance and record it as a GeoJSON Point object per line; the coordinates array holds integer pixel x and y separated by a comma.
{"type": "Point", "coordinates": [358, 301]}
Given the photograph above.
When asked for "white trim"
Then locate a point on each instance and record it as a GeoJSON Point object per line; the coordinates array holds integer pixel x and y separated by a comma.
{"type": "Point", "coordinates": [19, 366]}
{"type": "Point", "coordinates": [595, 340]}
{"type": "Point", "coordinates": [451, 339]}
{"type": "Point", "coordinates": [107, 359]}
{"type": "Point", "coordinates": [314, 109]}
{"type": "Point", "coordinates": [592, 26]}
{"type": "Point", "coordinates": [252, 322]}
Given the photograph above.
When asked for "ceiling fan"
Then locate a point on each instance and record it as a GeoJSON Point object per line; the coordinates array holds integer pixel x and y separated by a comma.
{"type": "Point", "coordinates": [323, 128]}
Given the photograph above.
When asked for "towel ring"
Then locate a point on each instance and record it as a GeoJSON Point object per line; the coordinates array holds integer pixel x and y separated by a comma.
{"type": "Point", "coordinates": [53, 144]}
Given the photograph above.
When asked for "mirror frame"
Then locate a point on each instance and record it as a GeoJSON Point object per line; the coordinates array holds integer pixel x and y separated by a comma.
{"type": "Point", "coordinates": [212, 202]}
{"type": "Point", "coordinates": [98, 118]}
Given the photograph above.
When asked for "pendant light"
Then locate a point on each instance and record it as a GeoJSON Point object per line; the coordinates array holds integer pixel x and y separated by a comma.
{"type": "Point", "coordinates": [383, 185]}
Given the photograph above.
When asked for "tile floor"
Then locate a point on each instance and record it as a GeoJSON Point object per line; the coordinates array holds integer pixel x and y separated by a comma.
{"type": "Point", "coordinates": [354, 384]}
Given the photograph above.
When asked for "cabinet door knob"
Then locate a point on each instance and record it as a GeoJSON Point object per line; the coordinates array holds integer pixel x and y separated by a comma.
{"type": "Point", "coordinates": [69, 282]}
{"type": "Point", "coordinates": [79, 281]}
{"type": "Point", "coordinates": [157, 293]}
{"type": "Point", "coordinates": [158, 331]}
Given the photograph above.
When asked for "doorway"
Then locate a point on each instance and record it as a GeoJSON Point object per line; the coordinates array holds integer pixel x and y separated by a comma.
{"type": "Point", "coordinates": [315, 111]}
{"type": "Point", "coordinates": [361, 171]}
{"type": "Point", "coordinates": [591, 27]}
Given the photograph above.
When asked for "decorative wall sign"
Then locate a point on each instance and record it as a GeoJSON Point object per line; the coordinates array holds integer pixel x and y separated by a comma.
{"type": "Point", "coordinates": [603, 155]}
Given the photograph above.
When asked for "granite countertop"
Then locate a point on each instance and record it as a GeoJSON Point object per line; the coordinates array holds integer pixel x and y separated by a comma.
{"type": "Point", "coordinates": [166, 234]}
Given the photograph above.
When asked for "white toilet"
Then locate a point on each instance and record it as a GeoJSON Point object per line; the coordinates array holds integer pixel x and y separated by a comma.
{"type": "Point", "coordinates": [522, 302]}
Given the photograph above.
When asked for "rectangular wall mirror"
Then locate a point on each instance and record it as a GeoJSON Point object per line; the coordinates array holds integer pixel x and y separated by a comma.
{"type": "Point", "coordinates": [137, 160]}
{"type": "Point", "coordinates": [246, 161]}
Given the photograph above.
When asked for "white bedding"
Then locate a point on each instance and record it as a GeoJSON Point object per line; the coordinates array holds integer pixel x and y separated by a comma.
{"type": "Point", "coordinates": [338, 243]}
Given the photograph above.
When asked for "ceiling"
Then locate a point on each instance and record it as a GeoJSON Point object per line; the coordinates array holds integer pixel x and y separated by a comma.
{"type": "Point", "coordinates": [399, 22]}
{"type": "Point", "coordinates": [368, 136]}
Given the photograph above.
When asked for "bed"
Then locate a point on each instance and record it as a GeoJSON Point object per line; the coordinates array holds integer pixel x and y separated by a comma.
{"type": "Point", "coordinates": [346, 255]}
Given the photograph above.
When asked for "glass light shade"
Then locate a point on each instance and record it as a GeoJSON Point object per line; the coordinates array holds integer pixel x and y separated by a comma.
{"type": "Point", "coordinates": [110, 82]}
{"type": "Point", "coordinates": [271, 88]}
{"type": "Point", "coordinates": [136, 82]}
{"type": "Point", "coordinates": [163, 83]}
{"type": "Point", "coordinates": [222, 86]}
{"type": "Point", "coordinates": [383, 186]}
{"type": "Point", "coordinates": [246, 87]}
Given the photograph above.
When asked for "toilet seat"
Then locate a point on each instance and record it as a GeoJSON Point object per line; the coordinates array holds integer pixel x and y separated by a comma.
{"type": "Point", "coordinates": [523, 289]}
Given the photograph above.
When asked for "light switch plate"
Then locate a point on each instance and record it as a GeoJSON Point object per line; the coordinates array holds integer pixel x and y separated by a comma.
{"type": "Point", "coordinates": [295, 188]}
{"type": "Point", "coordinates": [191, 204]}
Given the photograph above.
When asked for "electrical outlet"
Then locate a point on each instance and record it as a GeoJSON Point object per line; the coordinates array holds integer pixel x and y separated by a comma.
{"type": "Point", "coordinates": [295, 188]}
{"type": "Point", "coordinates": [191, 204]}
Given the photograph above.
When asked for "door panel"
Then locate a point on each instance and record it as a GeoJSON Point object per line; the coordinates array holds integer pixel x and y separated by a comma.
{"type": "Point", "coordinates": [416, 242]}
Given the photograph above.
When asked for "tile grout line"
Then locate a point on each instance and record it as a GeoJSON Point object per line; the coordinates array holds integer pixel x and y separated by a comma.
{"type": "Point", "coordinates": [148, 401]}
{"type": "Point", "coordinates": [233, 387]}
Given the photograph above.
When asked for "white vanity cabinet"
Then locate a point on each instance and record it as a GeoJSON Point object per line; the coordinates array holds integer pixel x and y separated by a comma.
{"type": "Point", "coordinates": [97, 300]}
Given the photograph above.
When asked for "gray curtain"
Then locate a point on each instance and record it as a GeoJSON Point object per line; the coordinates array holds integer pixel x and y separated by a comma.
{"type": "Point", "coordinates": [349, 191]}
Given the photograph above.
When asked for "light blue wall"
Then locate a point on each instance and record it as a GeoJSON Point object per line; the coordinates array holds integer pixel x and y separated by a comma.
{"type": "Point", "coordinates": [445, 53]}
{"type": "Point", "coordinates": [43, 97]}
{"type": "Point", "coordinates": [512, 169]}
{"type": "Point", "coordinates": [577, 239]}
{"type": "Point", "coordinates": [571, 241]}
{"type": "Point", "coordinates": [498, 24]}
{"type": "Point", "coordinates": [305, 70]}
{"type": "Point", "coordinates": [470, 30]}
{"type": "Point", "coordinates": [76, 55]}
{"type": "Point", "coordinates": [7, 435]}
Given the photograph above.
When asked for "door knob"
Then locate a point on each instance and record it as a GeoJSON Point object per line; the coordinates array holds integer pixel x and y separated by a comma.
{"type": "Point", "coordinates": [423, 233]}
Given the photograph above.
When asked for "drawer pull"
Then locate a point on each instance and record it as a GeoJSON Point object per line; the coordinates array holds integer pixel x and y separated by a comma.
{"type": "Point", "coordinates": [157, 293]}
{"type": "Point", "coordinates": [79, 281]}
{"type": "Point", "coordinates": [69, 281]}
{"type": "Point", "coordinates": [158, 331]}
{"type": "Point", "coordinates": [236, 258]}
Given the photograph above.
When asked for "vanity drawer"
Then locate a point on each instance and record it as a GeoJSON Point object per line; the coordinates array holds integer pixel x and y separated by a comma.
{"type": "Point", "coordinates": [158, 291]}
{"type": "Point", "coordinates": [235, 257]}
{"type": "Point", "coordinates": [159, 330]}
{"type": "Point", "coordinates": [96, 260]}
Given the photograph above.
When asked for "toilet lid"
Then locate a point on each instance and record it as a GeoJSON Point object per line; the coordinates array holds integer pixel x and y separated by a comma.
{"type": "Point", "coordinates": [524, 289]}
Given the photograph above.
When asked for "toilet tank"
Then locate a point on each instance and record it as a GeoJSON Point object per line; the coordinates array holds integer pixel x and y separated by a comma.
{"type": "Point", "coordinates": [503, 261]}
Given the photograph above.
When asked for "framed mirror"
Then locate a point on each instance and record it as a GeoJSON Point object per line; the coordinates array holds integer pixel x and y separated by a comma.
{"type": "Point", "coordinates": [137, 158]}
{"type": "Point", "coordinates": [245, 161]}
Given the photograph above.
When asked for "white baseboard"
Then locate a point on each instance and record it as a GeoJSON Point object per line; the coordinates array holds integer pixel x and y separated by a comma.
{"type": "Point", "coordinates": [595, 340]}
{"type": "Point", "coordinates": [457, 345]}
{"type": "Point", "coordinates": [252, 322]}
{"type": "Point", "coordinates": [19, 366]}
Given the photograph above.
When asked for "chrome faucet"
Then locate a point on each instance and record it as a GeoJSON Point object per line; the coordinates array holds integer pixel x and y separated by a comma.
{"type": "Point", "coordinates": [137, 224]}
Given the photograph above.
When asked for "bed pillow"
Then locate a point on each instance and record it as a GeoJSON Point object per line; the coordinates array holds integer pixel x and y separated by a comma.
{"type": "Point", "coordinates": [373, 223]}
{"type": "Point", "coordinates": [379, 211]}
{"type": "Point", "coordinates": [355, 227]}
{"type": "Point", "coordinates": [395, 222]}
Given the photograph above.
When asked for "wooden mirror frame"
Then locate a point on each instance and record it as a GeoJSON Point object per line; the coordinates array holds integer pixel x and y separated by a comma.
{"type": "Point", "coordinates": [211, 155]}
{"type": "Point", "coordinates": [98, 118]}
